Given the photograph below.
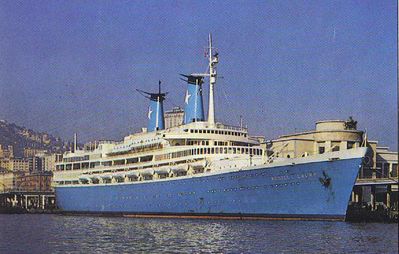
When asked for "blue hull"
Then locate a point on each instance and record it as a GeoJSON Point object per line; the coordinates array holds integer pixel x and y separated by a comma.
{"type": "Point", "coordinates": [311, 190]}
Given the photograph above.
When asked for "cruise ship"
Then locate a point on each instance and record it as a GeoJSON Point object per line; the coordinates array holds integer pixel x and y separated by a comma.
{"type": "Point", "coordinates": [204, 169]}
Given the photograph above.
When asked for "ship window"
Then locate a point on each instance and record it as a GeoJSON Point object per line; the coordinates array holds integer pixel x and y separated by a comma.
{"type": "Point", "coordinates": [394, 172]}
{"type": "Point", "coordinates": [385, 170]}
{"type": "Point", "coordinates": [106, 163]}
{"type": "Point", "coordinates": [335, 146]}
{"type": "Point", "coordinates": [212, 131]}
{"type": "Point", "coordinates": [321, 149]}
{"type": "Point", "coordinates": [146, 158]}
{"type": "Point", "coordinates": [212, 150]}
{"type": "Point", "coordinates": [68, 166]}
{"type": "Point", "coordinates": [119, 162]}
{"type": "Point", "coordinates": [196, 131]}
{"type": "Point", "coordinates": [191, 131]}
{"type": "Point", "coordinates": [350, 145]}
{"type": "Point", "coordinates": [209, 150]}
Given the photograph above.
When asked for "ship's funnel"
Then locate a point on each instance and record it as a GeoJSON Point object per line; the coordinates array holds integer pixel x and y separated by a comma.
{"type": "Point", "coordinates": [194, 109]}
{"type": "Point", "coordinates": [155, 113]}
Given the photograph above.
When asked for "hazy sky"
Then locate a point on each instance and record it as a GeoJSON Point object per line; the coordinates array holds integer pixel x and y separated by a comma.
{"type": "Point", "coordinates": [73, 66]}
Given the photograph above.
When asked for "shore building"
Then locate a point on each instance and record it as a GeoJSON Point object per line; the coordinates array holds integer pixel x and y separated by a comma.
{"type": "Point", "coordinates": [174, 117]}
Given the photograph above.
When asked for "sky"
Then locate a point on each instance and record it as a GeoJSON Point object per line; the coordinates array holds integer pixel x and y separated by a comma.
{"type": "Point", "coordinates": [74, 66]}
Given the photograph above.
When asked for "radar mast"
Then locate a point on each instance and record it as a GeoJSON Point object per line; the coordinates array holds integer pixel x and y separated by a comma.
{"type": "Point", "coordinates": [213, 60]}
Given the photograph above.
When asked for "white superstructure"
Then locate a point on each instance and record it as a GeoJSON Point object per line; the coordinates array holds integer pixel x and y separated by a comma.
{"type": "Point", "coordinates": [189, 149]}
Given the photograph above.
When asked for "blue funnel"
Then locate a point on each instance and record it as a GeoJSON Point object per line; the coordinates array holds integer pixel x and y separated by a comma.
{"type": "Point", "coordinates": [194, 109]}
{"type": "Point", "coordinates": [155, 114]}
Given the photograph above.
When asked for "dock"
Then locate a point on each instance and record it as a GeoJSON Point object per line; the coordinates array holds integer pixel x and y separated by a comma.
{"type": "Point", "coordinates": [16, 201]}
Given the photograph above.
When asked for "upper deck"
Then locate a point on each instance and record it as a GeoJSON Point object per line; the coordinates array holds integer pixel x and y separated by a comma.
{"type": "Point", "coordinates": [190, 139]}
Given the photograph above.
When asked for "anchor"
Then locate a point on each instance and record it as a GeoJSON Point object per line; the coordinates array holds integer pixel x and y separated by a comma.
{"type": "Point", "coordinates": [326, 181]}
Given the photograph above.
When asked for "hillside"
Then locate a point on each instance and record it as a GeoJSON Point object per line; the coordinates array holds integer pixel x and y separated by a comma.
{"type": "Point", "coordinates": [20, 137]}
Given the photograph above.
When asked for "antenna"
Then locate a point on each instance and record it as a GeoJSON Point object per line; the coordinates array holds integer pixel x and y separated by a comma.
{"type": "Point", "coordinates": [75, 141]}
{"type": "Point", "coordinates": [213, 60]}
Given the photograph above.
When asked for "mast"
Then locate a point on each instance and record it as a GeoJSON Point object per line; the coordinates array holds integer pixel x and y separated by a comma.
{"type": "Point", "coordinates": [75, 142]}
{"type": "Point", "coordinates": [213, 60]}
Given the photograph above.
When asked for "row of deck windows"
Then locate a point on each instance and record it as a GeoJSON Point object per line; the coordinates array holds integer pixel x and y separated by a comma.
{"type": "Point", "coordinates": [233, 133]}
{"type": "Point", "coordinates": [148, 158]}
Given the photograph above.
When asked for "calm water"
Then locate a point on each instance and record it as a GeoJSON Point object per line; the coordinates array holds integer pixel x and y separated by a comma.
{"type": "Point", "coordinates": [58, 234]}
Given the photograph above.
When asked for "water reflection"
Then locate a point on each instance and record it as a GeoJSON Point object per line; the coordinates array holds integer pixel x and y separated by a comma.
{"type": "Point", "coordinates": [84, 234]}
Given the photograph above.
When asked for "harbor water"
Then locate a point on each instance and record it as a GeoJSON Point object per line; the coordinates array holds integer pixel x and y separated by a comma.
{"type": "Point", "coordinates": [50, 233]}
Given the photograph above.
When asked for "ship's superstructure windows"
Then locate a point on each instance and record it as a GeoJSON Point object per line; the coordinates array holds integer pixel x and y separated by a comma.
{"type": "Point", "coordinates": [119, 162]}
{"type": "Point", "coordinates": [106, 163]}
{"type": "Point", "coordinates": [77, 158]}
{"type": "Point", "coordinates": [335, 145]}
{"type": "Point", "coordinates": [218, 132]}
{"type": "Point", "coordinates": [132, 160]}
{"type": "Point", "coordinates": [94, 164]}
{"type": "Point", "coordinates": [394, 172]}
{"type": "Point", "coordinates": [144, 176]}
{"type": "Point", "coordinates": [146, 158]}
{"type": "Point", "coordinates": [350, 144]}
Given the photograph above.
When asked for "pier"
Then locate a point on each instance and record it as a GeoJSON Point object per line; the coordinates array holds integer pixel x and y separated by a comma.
{"type": "Point", "coordinates": [23, 192]}
{"type": "Point", "coordinates": [15, 201]}
{"type": "Point", "coordinates": [374, 199]}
